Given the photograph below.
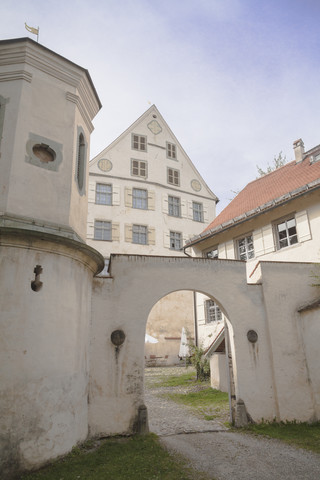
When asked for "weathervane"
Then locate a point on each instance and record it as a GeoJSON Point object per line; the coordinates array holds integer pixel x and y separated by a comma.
{"type": "Point", "coordinates": [33, 30]}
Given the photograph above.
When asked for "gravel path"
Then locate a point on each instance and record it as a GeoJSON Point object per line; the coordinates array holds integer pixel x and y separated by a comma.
{"type": "Point", "coordinates": [223, 454]}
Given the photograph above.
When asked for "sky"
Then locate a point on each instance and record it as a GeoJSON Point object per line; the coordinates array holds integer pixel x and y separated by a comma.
{"type": "Point", "coordinates": [236, 80]}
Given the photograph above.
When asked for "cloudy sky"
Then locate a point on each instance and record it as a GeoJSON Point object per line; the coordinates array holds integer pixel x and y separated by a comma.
{"type": "Point", "coordinates": [236, 80]}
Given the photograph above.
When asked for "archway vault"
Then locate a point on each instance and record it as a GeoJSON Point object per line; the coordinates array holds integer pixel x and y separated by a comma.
{"type": "Point", "coordinates": [123, 302]}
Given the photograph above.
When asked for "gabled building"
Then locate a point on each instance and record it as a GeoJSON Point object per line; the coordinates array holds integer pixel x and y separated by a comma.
{"type": "Point", "coordinates": [146, 197]}
{"type": "Point", "coordinates": [275, 218]}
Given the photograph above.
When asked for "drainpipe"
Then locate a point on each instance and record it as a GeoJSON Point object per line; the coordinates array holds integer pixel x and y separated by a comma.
{"type": "Point", "coordinates": [226, 340]}
{"type": "Point", "coordinates": [195, 319]}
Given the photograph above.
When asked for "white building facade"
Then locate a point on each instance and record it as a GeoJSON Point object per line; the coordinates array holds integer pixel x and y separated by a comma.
{"type": "Point", "coordinates": [146, 197]}
{"type": "Point", "coordinates": [274, 218]}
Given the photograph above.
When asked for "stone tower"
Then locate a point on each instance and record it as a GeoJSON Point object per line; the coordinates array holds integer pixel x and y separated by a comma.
{"type": "Point", "coordinates": [47, 104]}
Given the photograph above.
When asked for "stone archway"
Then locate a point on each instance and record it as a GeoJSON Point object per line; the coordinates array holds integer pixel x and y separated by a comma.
{"type": "Point", "coordinates": [123, 302]}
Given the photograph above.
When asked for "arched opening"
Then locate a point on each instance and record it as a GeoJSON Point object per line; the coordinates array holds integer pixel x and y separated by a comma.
{"type": "Point", "coordinates": [206, 324]}
{"type": "Point", "coordinates": [81, 158]}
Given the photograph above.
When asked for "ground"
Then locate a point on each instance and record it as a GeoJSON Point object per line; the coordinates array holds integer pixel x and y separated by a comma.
{"type": "Point", "coordinates": [213, 448]}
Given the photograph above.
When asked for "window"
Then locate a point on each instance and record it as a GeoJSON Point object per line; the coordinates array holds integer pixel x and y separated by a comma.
{"type": "Point", "coordinates": [174, 206]}
{"type": "Point", "coordinates": [287, 233]}
{"type": "Point", "coordinates": [212, 253]}
{"type": "Point", "coordinates": [139, 142]}
{"type": "Point", "coordinates": [103, 194]}
{"type": "Point", "coordinates": [171, 151]}
{"type": "Point", "coordinates": [213, 312]}
{"type": "Point", "coordinates": [138, 168]}
{"type": "Point", "coordinates": [175, 241]}
{"type": "Point", "coordinates": [197, 209]}
{"type": "Point", "coordinates": [173, 176]}
{"type": "Point", "coordinates": [245, 248]}
{"type": "Point", "coordinates": [139, 234]}
{"type": "Point", "coordinates": [81, 154]}
{"type": "Point", "coordinates": [139, 198]}
{"type": "Point", "coordinates": [102, 230]}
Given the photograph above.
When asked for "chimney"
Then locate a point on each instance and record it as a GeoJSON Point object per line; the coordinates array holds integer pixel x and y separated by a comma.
{"type": "Point", "coordinates": [298, 147]}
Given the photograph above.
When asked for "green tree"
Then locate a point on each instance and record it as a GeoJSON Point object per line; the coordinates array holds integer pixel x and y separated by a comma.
{"type": "Point", "coordinates": [278, 162]}
{"type": "Point", "coordinates": [200, 362]}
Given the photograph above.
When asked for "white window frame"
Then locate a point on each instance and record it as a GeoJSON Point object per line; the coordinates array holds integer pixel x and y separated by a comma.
{"type": "Point", "coordinates": [139, 168]}
{"type": "Point", "coordinates": [139, 142]}
{"type": "Point", "coordinates": [197, 211]}
{"type": "Point", "coordinates": [245, 247]}
{"type": "Point", "coordinates": [175, 240]}
{"type": "Point", "coordinates": [213, 253]}
{"type": "Point", "coordinates": [173, 177]}
{"type": "Point", "coordinates": [212, 311]}
{"type": "Point", "coordinates": [103, 194]}
{"type": "Point", "coordinates": [103, 229]}
{"type": "Point", "coordinates": [174, 206]}
{"type": "Point", "coordinates": [140, 234]}
{"type": "Point", "coordinates": [171, 151]}
{"type": "Point", "coordinates": [289, 238]}
{"type": "Point", "coordinates": [140, 198]}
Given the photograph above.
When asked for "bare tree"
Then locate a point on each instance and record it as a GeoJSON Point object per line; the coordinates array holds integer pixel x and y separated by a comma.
{"type": "Point", "coordinates": [278, 162]}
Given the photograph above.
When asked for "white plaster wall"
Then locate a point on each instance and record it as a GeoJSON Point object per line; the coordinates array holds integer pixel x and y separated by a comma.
{"type": "Point", "coordinates": [307, 213]}
{"type": "Point", "coordinates": [117, 381]}
{"type": "Point", "coordinates": [120, 153]}
{"type": "Point", "coordinates": [309, 326]}
{"type": "Point", "coordinates": [286, 288]}
{"type": "Point", "coordinates": [44, 360]}
{"type": "Point", "coordinates": [42, 102]}
{"type": "Point", "coordinates": [218, 372]}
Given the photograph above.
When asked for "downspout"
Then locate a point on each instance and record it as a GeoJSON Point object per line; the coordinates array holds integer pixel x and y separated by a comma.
{"type": "Point", "coordinates": [226, 340]}
{"type": "Point", "coordinates": [195, 319]}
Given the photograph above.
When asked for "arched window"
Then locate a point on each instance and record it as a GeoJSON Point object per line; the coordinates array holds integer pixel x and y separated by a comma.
{"type": "Point", "coordinates": [81, 159]}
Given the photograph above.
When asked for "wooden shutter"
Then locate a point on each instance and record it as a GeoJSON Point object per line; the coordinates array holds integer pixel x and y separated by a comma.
{"type": "Point", "coordinates": [166, 239]}
{"type": "Point", "coordinates": [115, 195]}
{"type": "Point", "coordinates": [151, 236]}
{"type": "Point", "coordinates": [128, 232]}
{"type": "Point", "coordinates": [128, 197]}
{"type": "Point", "coordinates": [184, 208]}
{"type": "Point", "coordinates": [165, 204]}
{"type": "Point", "coordinates": [303, 227]}
{"type": "Point", "coordinates": [268, 239]}
{"type": "Point", "coordinates": [115, 232]}
{"type": "Point", "coordinates": [206, 218]}
{"type": "Point", "coordinates": [258, 243]}
{"type": "Point", "coordinates": [151, 200]}
{"type": "Point", "coordinates": [230, 250]}
{"type": "Point", "coordinates": [92, 191]}
{"type": "Point", "coordinates": [90, 229]}
{"type": "Point", "coordinates": [222, 251]}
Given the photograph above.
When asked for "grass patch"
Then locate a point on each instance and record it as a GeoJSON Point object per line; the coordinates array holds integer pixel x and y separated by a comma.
{"type": "Point", "coordinates": [207, 402]}
{"type": "Point", "coordinates": [183, 380]}
{"type": "Point", "coordinates": [118, 458]}
{"type": "Point", "coordinates": [303, 435]}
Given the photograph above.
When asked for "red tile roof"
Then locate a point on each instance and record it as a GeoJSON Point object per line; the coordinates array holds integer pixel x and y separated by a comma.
{"type": "Point", "coordinates": [273, 188]}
